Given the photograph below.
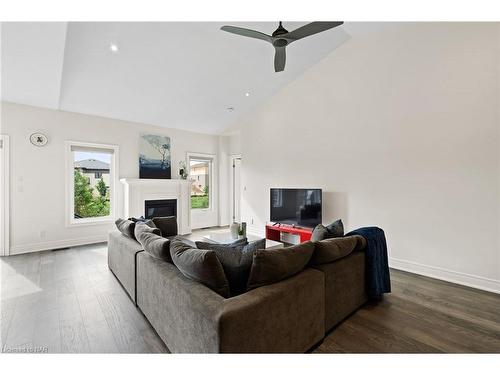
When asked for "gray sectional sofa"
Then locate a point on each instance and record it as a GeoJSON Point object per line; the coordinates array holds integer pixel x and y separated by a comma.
{"type": "Point", "coordinates": [289, 316]}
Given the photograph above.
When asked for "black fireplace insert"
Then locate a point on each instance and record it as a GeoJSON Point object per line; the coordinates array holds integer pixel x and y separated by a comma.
{"type": "Point", "coordinates": [160, 208]}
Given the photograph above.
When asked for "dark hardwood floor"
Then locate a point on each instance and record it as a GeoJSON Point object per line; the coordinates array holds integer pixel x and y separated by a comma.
{"type": "Point", "coordinates": [68, 301]}
{"type": "Point", "coordinates": [421, 315]}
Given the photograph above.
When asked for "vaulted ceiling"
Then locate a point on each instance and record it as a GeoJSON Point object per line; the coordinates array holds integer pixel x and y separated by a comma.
{"type": "Point", "coordinates": [173, 74]}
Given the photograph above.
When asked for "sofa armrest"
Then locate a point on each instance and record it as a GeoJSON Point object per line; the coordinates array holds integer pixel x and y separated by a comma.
{"type": "Point", "coordinates": [121, 259]}
{"type": "Point", "coordinates": [286, 317]}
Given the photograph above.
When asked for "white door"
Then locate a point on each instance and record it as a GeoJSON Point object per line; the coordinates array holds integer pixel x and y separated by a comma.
{"type": "Point", "coordinates": [4, 195]}
{"type": "Point", "coordinates": [236, 189]}
{"type": "Point", "coordinates": [204, 200]}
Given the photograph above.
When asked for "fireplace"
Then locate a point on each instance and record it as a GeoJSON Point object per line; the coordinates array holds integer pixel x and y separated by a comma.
{"type": "Point", "coordinates": [160, 207]}
{"type": "Point", "coordinates": [141, 195]}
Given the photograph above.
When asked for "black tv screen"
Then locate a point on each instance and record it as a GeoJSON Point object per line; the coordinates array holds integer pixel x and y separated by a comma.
{"type": "Point", "coordinates": [301, 207]}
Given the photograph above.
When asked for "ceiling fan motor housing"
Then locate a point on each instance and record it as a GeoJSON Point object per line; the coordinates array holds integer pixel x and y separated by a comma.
{"type": "Point", "coordinates": [280, 42]}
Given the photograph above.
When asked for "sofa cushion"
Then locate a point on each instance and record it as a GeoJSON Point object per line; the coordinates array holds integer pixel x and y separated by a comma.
{"type": "Point", "coordinates": [319, 233]}
{"type": "Point", "coordinates": [167, 225]}
{"type": "Point", "coordinates": [152, 242]}
{"type": "Point", "coordinates": [199, 265]}
{"type": "Point", "coordinates": [271, 266]}
{"type": "Point", "coordinates": [332, 249]}
{"type": "Point", "coordinates": [230, 248]}
{"type": "Point", "coordinates": [333, 230]}
{"type": "Point", "coordinates": [148, 226]}
{"type": "Point", "coordinates": [126, 227]}
{"type": "Point", "coordinates": [236, 259]}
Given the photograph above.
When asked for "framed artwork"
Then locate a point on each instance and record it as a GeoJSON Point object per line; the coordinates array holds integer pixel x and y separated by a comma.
{"type": "Point", "coordinates": [154, 156]}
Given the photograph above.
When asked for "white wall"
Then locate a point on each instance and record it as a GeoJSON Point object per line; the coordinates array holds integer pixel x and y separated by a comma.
{"type": "Point", "coordinates": [37, 174]}
{"type": "Point", "coordinates": [400, 129]}
{"type": "Point", "coordinates": [235, 143]}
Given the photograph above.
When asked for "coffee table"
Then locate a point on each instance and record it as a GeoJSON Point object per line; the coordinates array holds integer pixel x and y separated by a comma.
{"type": "Point", "coordinates": [226, 238]}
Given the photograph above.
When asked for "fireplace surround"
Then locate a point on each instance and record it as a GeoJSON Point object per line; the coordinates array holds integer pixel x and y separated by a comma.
{"type": "Point", "coordinates": [165, 197]}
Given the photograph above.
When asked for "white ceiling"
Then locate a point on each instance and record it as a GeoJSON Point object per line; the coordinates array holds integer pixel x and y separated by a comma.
{"type": "Point", "coordinates": [172, 74]}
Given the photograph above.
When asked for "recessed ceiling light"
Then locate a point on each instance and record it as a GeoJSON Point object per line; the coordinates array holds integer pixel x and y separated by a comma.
{"type": "Point", "coordinates": [113, 47]}
{"type": "Point", "coordinates": [247, 94]}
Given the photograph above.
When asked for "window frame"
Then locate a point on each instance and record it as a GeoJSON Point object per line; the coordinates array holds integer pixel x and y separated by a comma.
{"type": "Point", "coordinates": [211, 158]}
{"type": "Point", "coordinates": [70, 189]}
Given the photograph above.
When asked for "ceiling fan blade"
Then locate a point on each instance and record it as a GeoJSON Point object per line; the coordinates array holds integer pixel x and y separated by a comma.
{"type": "Point", "coordinates": [279, 59]}
{"type": "Point", "coordinates": [247, 32]}
{"type": "Point", "coordinates": [311, 29]}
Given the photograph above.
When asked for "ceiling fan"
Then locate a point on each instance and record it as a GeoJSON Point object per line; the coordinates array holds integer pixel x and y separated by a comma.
{"type": "Point", "coordinates": [280, 38]}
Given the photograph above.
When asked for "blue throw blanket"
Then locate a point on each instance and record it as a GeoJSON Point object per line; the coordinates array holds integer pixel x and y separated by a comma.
{"type": "Point", "coordinates": [378, 279]}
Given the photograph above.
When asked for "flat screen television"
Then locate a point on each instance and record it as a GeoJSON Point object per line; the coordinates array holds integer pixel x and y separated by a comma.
{"type": "Point", "coordinates": [300, 207]}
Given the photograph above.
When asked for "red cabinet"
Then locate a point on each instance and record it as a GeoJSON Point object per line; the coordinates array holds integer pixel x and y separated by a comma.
{"type": "Point", "coordinates": [273, 232]}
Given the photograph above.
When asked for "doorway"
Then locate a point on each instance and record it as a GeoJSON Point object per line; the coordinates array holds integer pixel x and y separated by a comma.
{"type": "Point", "coordinates": [4, 195]}
{"type": "Point", "coordinates": [236, 188]}
{"type": "Point", "coordinates": [204, 185]}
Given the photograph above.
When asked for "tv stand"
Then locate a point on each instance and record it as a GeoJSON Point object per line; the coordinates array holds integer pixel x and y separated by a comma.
{"type": "Point", "coordinates": [273, 231]}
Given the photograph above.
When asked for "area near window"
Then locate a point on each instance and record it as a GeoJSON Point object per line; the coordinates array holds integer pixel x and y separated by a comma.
{"type": "Point", "coordinates": [91, 181]}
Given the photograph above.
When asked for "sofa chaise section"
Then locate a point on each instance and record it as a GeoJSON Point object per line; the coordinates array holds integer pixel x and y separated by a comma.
{"type": "Point", "coordinates": [287, 317]}
{"type": "Point", "coordinates": [122, 251]}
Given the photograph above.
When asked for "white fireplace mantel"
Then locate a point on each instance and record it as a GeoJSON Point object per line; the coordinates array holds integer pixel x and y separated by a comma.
{"type": "Point", "coordinates": [138, 191]}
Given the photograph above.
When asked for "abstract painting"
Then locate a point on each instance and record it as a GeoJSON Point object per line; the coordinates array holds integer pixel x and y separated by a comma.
{"type": "Point", "coordinates": [154, 156]}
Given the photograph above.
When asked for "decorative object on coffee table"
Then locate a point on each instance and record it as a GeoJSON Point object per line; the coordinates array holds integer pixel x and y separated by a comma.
{"type": "Point", "coordinates": [154, 156]}
{"type": "Point", "coordinates": [234, 229]}
{"type": "Point", "coordinates": [241, 232]}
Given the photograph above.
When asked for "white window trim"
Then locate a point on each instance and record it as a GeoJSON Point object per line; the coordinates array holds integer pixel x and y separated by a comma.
{"type": "Point", "coordinates": [113, 183]}
{"type": "Point", "coordinates": [212, 185]}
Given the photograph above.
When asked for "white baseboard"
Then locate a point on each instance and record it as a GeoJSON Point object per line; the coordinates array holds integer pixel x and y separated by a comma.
{"type": "Point", "coordinates": [52, 245]}
{"type": "Point", "coordinates": [461, 278]}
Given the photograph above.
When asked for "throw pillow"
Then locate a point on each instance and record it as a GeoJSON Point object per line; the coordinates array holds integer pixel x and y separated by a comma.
{"type": "Point", "coordinates": [319, 233]}
{"type": "Point", "coordinates": [126, 227]}
{"type": "Point", "coordinates": [236, 259]}
{"type": "Point", "coordinates": [142, 220]}
{"type": "Point", "coordinates": [141, 227]}
{"type": "Point", "coordinates": [335, 229]}
{"type": "Point", "coordinates": [331, 249]}
{"type": "Point", "coordinates": [199, 265]}
{"type": "Point", "coordinates": [271, 266]}
{"type": "Point", "coordinates": [167, 225]}
{"type": "Point", "coordinates": [151, 241]}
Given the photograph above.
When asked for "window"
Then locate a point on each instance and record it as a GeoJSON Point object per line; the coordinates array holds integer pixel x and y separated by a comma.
{"type": "Point", "coordinates": [91, 182]}
{"type": "Point", "coordinates": [201, 177]}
